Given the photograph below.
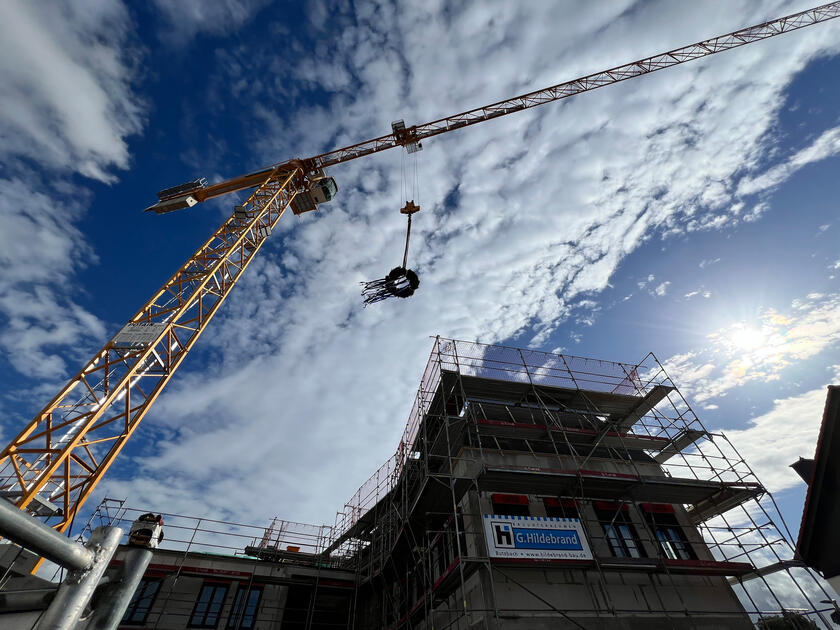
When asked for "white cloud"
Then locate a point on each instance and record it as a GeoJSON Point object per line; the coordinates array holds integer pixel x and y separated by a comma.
{"type": "Point", "coordinates": [66, 102]}
{"type": "Point", "coordinates": [708, 261]}
{"type": "Point", "coordinates": [187, 18]}
{"type": "Point", "coordinates": [661, 289]}
{"type": "Point", "coordinates": [826, 145]}
{"type": "Point", "coordinates": [704, 293]}
{"type": "Point", "coordinates": [66, 105]}
{"type": "Point", "coordinates": [645, 281]}
{"type": "Point", "coordinates": [40, 251]}
{"type": "Point", "coordinates": [776, 439]}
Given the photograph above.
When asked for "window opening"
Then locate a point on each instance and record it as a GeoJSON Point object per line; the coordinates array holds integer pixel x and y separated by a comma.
{"type": "Point", "coordinates": [619, 531]}
{"type": "Point", "coordinates": [460, 544]}
{"type": "Point", "coordinates": [510, 505]}
{"type": "Point", "coordinates": [248, 599]}
{"type": "Point", "coordinates": [669, 533]}
{"type": "Point", "coordinates": [443, 555]}
{"type": "Point", "coordinates": [561, 508]}
{"type": "Point", "coordinates": [209, 605]}
{"type": "Point", "coordinates": [142, 600]}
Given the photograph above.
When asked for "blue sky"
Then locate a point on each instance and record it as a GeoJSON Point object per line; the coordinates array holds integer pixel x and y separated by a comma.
{"type": "Point", "coordinates": [691, 213]}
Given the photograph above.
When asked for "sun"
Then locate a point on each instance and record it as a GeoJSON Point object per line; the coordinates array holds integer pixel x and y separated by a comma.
{"type": "Point", "coordinates": [747, 338]}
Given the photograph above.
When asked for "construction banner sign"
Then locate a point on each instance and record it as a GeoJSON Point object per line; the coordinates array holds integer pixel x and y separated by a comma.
{"type": "Point", "coordinates": [539, 537]}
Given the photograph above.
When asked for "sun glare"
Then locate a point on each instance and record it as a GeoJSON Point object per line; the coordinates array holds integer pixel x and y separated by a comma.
{"type": "Point", "coordinates": [746, 338]}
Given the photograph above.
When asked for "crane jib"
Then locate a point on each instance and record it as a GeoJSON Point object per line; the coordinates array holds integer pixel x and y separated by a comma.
{"type": "Point", "coordinates": [586, 83]}
{"type": "Point", "coordinates": [409, 136]}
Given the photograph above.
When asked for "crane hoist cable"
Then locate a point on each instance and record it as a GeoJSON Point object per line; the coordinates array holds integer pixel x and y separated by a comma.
{"type": "Point", "coordinates": [401, 281]}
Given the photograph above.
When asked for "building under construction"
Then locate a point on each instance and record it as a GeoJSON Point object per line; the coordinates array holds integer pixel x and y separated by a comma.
{"type": "Point", "coordinates": [530, 490]}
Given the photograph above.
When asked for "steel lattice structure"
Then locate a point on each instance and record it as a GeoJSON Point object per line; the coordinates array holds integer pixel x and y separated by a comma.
{"type": "Point", "coordinates": [62, 454]}
{"type": "Point", "coordinates": [54, 463]}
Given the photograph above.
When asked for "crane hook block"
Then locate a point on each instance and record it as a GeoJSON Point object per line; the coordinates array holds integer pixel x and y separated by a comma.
{"type": "Point", "coordinates": [410, 208]}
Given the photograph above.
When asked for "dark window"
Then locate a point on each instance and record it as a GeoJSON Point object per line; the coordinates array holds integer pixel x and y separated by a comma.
{"type": "Point", "coordinates": [459, 546]}
{"type": "Point", "coordinates": [619, 531]}
{"type": "Point", "coordinates": [209, 605]}
{"type": "Point", "coordinates": [142, 600]}
{"type": "Point", "coordinates": [561, 508]}
{"type": "Point", "coordinates": [244, 611]}
{"type": "Point", "coordinates": [510, 505]}
{"type": "Point", "coordinates": [669, 534]}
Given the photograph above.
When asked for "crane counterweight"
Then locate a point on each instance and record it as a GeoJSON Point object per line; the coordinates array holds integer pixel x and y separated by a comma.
{"type": "Point", "coordinates": [181, 202]}
{"type": "Point", "coordinates": [168, 193]}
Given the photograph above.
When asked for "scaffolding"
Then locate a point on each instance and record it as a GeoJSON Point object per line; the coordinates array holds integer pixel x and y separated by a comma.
{"type": "Point", "coordinates": [196, 534]}
{"type": "Point", "coordinates": [557, 421]}
{"type": "Point", "coordinates": [599, 438]}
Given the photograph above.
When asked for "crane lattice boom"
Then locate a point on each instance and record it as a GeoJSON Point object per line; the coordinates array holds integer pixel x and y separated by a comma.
{"type": "Point", "coordinates": [557, 92]}
{"type": "Point", "coordinates": [55, 462]}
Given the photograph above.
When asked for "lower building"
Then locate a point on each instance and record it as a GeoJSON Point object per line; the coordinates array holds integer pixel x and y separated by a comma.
{"type": "Point", "coordinates": [205, 590]}
{"type": "Point", "coordinates": [530, 490]}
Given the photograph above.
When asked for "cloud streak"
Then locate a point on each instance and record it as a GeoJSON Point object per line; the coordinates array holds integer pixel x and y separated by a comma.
{"type": "Point", "coordinates": [187, 18]}
{"type": "Point", "coordinates": [759, 351]}
{"type": "Point", "coordinates": [67, 102]}
{"type": "Point", "coordinates": [826, 145]}
{"type": "Point", "coordinates": [67, 107]}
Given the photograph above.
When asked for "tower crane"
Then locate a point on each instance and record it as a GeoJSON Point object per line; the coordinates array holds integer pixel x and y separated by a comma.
{"type": "Point", "coordinates": [53, 465]}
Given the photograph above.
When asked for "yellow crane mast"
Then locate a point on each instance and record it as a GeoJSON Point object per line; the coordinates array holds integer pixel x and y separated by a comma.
{"type": "Point", "coordinates": [54, 463]}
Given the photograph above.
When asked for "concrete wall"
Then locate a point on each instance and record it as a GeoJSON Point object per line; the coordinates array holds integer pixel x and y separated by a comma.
{"type": "Point", "coordinates": [179, 591]}
{"type": "Point", "coordinates": [524, 595]}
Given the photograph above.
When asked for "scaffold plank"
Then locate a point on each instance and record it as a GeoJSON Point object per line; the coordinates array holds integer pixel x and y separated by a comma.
{"type": "Point", "coordinates": [644, 406]}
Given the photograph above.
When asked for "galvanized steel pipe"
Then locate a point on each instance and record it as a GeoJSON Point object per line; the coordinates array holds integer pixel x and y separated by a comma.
{"type": "Point", "coordinates": [19, 527]}
{"type": "Point", "coordinates": [75, 592]}
{"type": "Point", "coordinates": [116, 595]}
